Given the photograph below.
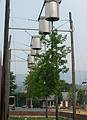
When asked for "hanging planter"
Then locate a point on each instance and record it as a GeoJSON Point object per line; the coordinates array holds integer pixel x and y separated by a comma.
{"type": "Point", "coordinates": [30, 59]}
{"type": "Point", "coordinates": [33, 52]}
{"type": "Point", "coordinates": [52, 10]}
{"type": "Point", "coordinates": [44, 26]}
{"type": "Point", "coordinates": [35, 43]}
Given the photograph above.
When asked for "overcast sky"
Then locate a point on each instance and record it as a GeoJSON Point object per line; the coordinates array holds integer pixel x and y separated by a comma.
{"type": "Point", "coordinates": [22, 10]}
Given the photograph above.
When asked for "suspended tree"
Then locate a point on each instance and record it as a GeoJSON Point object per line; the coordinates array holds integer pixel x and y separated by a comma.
{"type": "Point", "coordinates": [44, 79]}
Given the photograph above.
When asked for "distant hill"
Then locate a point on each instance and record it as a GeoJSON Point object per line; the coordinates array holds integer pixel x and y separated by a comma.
{"type": "Point", "coordinates": [80, 77]}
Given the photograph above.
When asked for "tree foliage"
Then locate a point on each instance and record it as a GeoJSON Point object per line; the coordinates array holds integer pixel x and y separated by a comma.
{"type": "Point", "coordinates": [67, 87]}
{"type": "Point", "coordinates": [70, 96]}
{"type": "Point", "coordinates": [12, 83]}
{"type": "Point", "coordinates": [44, 79]}
{"type": "Point", "coordinates": [20, 99]}
{"type": "Point", "coordinates": [81, 97]}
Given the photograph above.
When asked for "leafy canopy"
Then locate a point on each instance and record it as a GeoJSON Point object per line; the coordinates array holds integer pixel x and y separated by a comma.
{"type": "Point", "coordinates": [12, 83]}
{"type": "Point", "coordinates": [44, 78]}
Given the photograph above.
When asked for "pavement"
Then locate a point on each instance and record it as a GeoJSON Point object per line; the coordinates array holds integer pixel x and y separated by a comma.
{"type": "Point", "coordinates": [79, 111]}
{"type": "Point", "coordinates": [28, 109]}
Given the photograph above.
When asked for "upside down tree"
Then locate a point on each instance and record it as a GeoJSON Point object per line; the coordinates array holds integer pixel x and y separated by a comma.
{"type": "Point", "coordinates": [44, 79]}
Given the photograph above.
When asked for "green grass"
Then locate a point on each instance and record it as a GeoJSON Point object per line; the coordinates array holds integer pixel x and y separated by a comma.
{"type": "Point", "coordinates": [35, 119]}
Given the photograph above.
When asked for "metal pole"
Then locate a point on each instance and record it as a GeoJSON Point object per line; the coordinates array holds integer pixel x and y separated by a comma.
{"type": "Point", "coordinates": [9, 66]}
{"type": "Point", "coordinates": [4, 89]}
{"type": "Point", "coordinates": [41, 10]}
{"type": "Point", "coordinates": [0, 79]}
{"type": "Point", "coordinates": [30, 29]}
{"type": "Point", "coordinates": [73, 68]}
{"type": "Point", "coordinates": [34, 29]}
{"type": "Point", "coordinates": [18, 49]}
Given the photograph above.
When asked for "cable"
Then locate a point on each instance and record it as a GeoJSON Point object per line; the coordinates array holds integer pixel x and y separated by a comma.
{"type": "Point", "coordinates": [13, 42]}
{"type": "Point", "coordinates": [23, 44]}
{"type": "Point", "coordinates": [28, 33]}
{"type": "Point", "coordinates": [14, 55]}
{"type": "Point", "coordinates": [25, 52]}
{"type": "Point", "coordinates": [19, 57]}
{"type": "Point", "coordinates": [26, 45]}
{"type": "Point", "coordinates": [62, 24]}
{"type": "Point", "coordinates": [64, 20]}
{"type": "Point", "coordinates": [25, 19]}
{"type": "Point", "coordinates": [21, 61]}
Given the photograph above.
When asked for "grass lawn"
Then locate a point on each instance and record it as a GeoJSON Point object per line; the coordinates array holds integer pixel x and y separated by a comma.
{"type": "Point", "coordinates": [36, 119]}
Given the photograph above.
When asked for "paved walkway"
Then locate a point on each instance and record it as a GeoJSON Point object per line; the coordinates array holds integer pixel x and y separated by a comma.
{"type": "Point", "coordinates": [81, 114]}
{"type": "Point", "coordinates": [79, 111]}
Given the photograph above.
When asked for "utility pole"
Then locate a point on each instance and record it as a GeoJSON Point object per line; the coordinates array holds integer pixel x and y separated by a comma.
{"type": "Point", "coordinates": [5, 69]}
{"type": "Point", "coordinates": [8, 82]}
{"type": "Point", "coordinates": [73, 68]}
{"type": "Point", "coordinates": [0, 78]}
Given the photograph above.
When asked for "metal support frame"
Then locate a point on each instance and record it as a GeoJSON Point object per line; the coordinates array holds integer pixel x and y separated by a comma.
{"type": "Point", "coordinates": [41, 10]}
{"type": "Point", "coordinates": [23, 29]}
{"type": "Point", "coordinates": [5, 69]}
{"type": "Point", "coordinates": [31, 29]}
{"type": "Point", "coordinates": [17, 49]}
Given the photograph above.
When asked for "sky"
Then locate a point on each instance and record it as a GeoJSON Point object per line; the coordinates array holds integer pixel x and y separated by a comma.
{"type": "Point", "coordinates": [23, 10]}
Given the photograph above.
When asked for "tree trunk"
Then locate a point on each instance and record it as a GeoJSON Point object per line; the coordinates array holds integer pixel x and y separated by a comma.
{"type": "Point", "coordinates": [31, 104]}
{"type": "Point", "coordinates": [46, 107]}
{"type": "Point", "coordinates": [56, 105]}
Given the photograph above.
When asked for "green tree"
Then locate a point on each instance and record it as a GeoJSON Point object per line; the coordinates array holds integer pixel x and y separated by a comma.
{"type": "Point", "coordinates": [33, 84]}
{"type": "Point", "coordinates": [20, 99]}
{"type": "Point", "coordinates": [70, 97]}
{"type": "Point", "coordinates": [12, 83]}
{"type": "Point", "coordinates": [81, 97]}
{"type": "Point", "coordinates": [60, 52]}
{"type": "Point", "coordinates": [48, 68]}
{"type": "Point", "coordinates": [67, 87]}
